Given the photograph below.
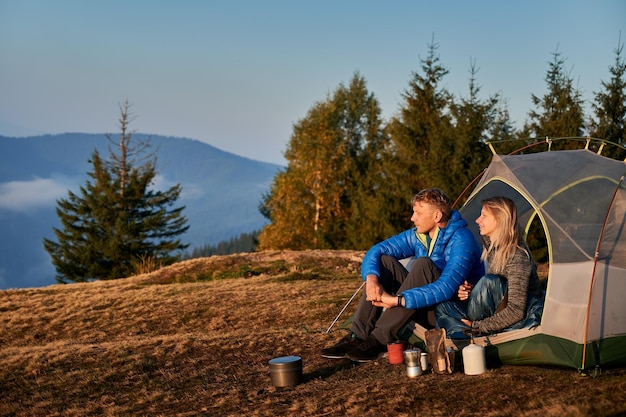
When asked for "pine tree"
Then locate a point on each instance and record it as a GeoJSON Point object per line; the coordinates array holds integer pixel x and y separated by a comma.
{"type": "Point", "coordinates": [245, 242]}
{"type": "Point", "coordinates": [473, 120]}
{"type": "Point", "coordinates": [422, 139]}
{"type": "Point", "coordinates": [117, 221]}
{"type": "Point", "coordinates": [502, 133]}
{"type": "Point", "coordinates": [610, 105]}
{"type": "Point", "coordinates": [559, 113]}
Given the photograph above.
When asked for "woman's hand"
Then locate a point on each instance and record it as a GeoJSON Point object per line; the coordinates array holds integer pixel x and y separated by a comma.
{"type": "Point", "coordinates": [464, 291]}
{"type": "Point", "coordinates": [467, 322]}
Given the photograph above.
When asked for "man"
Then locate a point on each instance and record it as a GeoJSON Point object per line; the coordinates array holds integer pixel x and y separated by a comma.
{"type": "Point", "coordinates": [446, 255]}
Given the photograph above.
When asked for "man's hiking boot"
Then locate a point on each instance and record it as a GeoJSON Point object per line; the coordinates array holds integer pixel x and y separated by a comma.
{"type": "Point", "coordinates": [367, 351]}
{"type": "Point", "coordinates": [341, 349]}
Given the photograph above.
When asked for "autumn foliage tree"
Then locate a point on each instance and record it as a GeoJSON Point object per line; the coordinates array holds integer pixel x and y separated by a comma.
{"type": "Point", "coordinates": [333, 151]}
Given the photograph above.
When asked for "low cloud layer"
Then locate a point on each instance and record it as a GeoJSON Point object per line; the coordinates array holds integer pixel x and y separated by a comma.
{"type": "Point", "coordinates": [28, 195]}
{"type": "Point", "coordinates": [190, 191]}
{"type": "Point", "coordinates": [24, 196]}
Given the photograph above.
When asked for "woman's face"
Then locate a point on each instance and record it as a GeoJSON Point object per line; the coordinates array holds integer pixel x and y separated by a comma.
{"type": "Point", "coordinates": [486, 222]}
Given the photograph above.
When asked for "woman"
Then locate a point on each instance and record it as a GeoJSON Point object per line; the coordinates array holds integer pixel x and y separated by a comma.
{"type": "Point", "coordinates": [510, 295]}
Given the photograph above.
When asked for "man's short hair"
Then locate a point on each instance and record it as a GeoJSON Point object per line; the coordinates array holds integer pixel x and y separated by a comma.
{"type": "Point", "coordinates": [436, 198]}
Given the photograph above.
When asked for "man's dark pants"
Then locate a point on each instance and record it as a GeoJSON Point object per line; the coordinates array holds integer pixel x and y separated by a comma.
{"type": "Point", "coordinates": [394, 278]}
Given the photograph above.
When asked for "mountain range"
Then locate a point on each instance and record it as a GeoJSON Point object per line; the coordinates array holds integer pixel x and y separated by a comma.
{"type": "Point", "coordinates": [221, 193]}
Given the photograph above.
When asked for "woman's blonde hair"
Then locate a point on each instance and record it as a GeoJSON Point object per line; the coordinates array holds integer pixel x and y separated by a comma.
{"type": "Point", "coordinates": [504, 240]}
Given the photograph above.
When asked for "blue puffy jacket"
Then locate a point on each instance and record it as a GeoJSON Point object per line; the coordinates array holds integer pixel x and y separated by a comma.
{"type": "Point", "coordinates": [455, 252]}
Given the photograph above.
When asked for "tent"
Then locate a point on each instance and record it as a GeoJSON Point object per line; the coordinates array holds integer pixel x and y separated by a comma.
{"type": "Point", "coordinates": [579, 199]}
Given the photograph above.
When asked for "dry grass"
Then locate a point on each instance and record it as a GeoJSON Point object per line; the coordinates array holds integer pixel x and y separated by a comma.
{"type": "Point", "coordinates": [194, 339]}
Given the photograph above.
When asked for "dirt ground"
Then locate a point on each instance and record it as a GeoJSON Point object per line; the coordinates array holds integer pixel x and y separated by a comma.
{"type": "Point", "coordinates": [196, 338]}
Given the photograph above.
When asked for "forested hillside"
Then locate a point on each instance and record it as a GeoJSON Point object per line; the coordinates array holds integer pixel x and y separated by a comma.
{"type": "Point", "coordinates": [221, 193]}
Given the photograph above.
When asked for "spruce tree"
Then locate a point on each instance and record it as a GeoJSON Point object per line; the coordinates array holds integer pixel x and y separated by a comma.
{"type": "Point", "coordinates": [421, 139]}
{"type": "Point", "coordinates": [559, 113]}
{"type": "Point", "coordinates": [245, 242]}
{"type": "Point", "coordinates": [502, 133]}
{"type": "Point", "coordinates": [610, 106]}
{"type": "Point", "coordinates": [117, 221]}
{"type": "Point", "coordinates": [473, 119]}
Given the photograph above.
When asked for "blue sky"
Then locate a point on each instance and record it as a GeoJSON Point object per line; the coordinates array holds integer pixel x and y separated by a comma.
{"type": "Point", "coordinates": [238, 74]}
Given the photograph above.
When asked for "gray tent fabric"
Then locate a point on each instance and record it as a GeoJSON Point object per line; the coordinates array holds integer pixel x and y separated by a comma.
{"type": "Point", "coordinates": [579, 198]}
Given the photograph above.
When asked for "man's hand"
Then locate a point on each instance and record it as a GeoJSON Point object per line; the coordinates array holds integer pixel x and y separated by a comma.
{"type": "Point", "coordinates": [387, 301]}
{"type": "Point", "coordinates": [376, 294]}
{"type": "Point", "coordinates": [373, 290]}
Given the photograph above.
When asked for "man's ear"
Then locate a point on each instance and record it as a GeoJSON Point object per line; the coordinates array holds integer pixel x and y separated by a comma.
{"type": "Point", "coordinates": [438, 216]}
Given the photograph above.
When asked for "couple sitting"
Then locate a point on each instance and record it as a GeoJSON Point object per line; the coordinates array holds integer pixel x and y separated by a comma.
{"type": "Point", "coordinates": [448, 263]}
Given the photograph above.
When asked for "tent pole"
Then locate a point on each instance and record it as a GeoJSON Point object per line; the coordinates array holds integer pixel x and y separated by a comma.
{"type": "Point", "coordinates": [344, 307]}
{"type": "Point", "coordinates": [593, 273]}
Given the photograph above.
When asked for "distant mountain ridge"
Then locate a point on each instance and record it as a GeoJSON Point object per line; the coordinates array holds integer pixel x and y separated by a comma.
{"type": "Point", "coordinates": [221, 193]}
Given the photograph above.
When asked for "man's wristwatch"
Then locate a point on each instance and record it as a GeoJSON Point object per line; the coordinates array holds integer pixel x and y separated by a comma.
{"type": "Point", "coordinates": [400, 296]}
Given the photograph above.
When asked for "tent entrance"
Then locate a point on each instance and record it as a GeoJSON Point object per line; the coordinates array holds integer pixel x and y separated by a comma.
{"type": "Point", "coordinates": [572, 205]}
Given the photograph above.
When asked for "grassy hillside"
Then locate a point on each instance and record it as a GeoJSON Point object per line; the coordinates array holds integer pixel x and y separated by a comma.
{"type": "Point", "coordinates": [195, 338]}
